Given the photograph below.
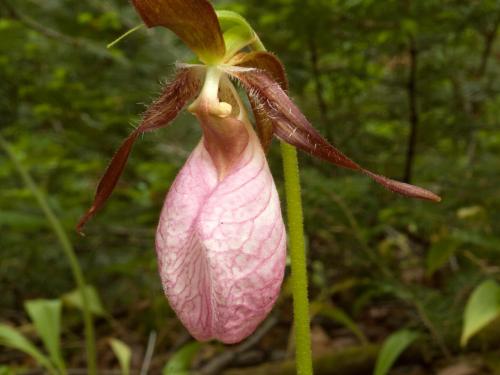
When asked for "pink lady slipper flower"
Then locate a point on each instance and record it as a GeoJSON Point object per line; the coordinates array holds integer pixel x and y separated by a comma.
{"type": "Point", "coordinates": [221, 241]}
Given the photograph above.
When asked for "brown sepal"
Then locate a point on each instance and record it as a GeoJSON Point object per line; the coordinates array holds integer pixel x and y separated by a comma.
{"type": "Point", "coordinates": [291, 126]}
{"type": "Point", "coordinates": [174, 97]}
{"type": "Point", "coordinates": [194, 21]}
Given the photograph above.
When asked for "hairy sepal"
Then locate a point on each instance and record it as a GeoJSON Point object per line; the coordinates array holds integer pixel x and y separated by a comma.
{"type": "Point", "coordinates": [291, 126]}
{"type": "Point", "coordinates": [175, 95]}
{"type": "Point", "coordinates": [221, 244]}
{"type": "Point", "coordinates": [194, 21]}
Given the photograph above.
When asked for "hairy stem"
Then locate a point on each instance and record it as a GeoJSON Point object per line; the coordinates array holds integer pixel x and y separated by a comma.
{"type": "Point", "coordinates": [67, 248]}
{"type": "Point", "coordinates": [297, 250]}
{"type": "Point", "coordinates": [298, 260]}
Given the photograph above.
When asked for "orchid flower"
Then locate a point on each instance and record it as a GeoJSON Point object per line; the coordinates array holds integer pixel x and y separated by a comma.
{"type": "Point", "coordinates": [221, 241]}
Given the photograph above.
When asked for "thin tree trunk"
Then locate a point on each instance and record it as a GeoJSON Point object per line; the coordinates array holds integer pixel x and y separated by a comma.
{"type": "Point", "coordinates": [489, 40]}
{"type": "Point", "coordinates": [477, 104]}
{"type": "Point", "coordinates": [413, 116]}
{"type": "Point", "coordinates": [318, 85]}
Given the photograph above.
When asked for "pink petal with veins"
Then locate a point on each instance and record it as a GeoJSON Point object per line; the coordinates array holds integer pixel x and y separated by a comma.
{"type": "Point", "coordinates": [221, 244]}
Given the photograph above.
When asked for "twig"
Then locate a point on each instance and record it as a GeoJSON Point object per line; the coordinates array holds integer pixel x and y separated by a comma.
{"type": "Point", "coordinates": [149, 353]}
{"type": "Point", "coordinates": [32, 24]}
{"type": "Point", "coordinates": [50, 33]}
{"type": "Point", "coordinates": [220, 362]}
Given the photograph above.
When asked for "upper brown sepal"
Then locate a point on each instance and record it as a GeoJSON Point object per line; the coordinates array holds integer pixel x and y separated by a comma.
{"type": "Point", "coordinates": [194, 21]}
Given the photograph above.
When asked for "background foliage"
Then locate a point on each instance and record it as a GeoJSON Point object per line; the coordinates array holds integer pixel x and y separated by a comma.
{"type": "Point", "coordinates": [409, 89]}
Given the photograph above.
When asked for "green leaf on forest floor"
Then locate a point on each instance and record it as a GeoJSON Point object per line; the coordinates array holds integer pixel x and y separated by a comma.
{"type": "Point", "coordinates": [12, 338]}
{"type": "Point", "coordinates": [180, 362]}
{"type": "Point", "coordinates": [123, 353]}
{"type": "Point", "coordinates": [393, 346]}
{"type": "Point", "coordinates": [482, 308]}
{"type": "Point", "coordinates": [74, 299]}
{"type": "Point", "coordinates": [341, 317]}
{"type": "Point", "coordinates": [46, 316]}
{"type": "Point", "coordinates": [439, 253]}
{"type": "Point", "coordinates": [5, 370]}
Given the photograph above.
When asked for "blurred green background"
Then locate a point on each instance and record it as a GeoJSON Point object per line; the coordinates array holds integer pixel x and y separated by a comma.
{"type": "Point", "coordinates": [409, 89]}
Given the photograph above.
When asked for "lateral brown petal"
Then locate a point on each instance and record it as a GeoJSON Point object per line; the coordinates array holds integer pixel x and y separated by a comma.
{"type": "Point", "coordinates": [290, 124]}
{"type": "Point", "coordinates": [174, 97]}
{"type": "Point", "coordinates": [292, 127]}
{"type": "Point", "coordinates": [403, 188]}
{"type": "Point", "coordinates": [265, 61]}
{"type": "Point", "coordinates": [185, 85]}
{"type": "Point", "coordinates": [194, 21]}
{"type": "Point", "coordinates": [263, 124]}
{"type": "Point", "coordinates": [272, 65]}
{"type": "Point", "coordinates": [109, 179]}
